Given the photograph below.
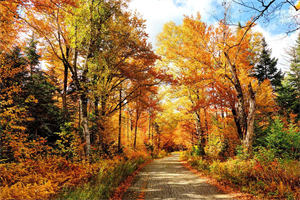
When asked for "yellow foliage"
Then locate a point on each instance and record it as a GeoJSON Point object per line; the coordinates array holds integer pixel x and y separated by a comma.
{"type": "Point", "coordinates": [45, 177]}
{"type": "Point", "coordinates": [298, 5]}
{"type": "Point", "coordinates": [39, 179]}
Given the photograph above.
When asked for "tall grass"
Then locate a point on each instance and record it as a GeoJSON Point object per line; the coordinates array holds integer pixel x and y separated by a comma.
{"type": "Point", "coordinates": [103, 185]}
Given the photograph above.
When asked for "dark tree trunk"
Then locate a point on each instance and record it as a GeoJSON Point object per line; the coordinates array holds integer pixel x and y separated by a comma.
{"type": "Point", "coordinates": [95, 133]}
{"type": "Point", "coordinates": [200, 130]}
{"type": "Point", "coordinates": [237, 123]}
{"type": "Point", "coordinates": [152, 133]}
{"type": "Point", "coordinates": [120, 120]}
{"type": "Point", "coordinates": [158, 144]}
{"type": "Point", "coordinates": [64, 95]}
{"type": "Point", "coordinates": [136, 127]}
{"type": "Point", "coordinates": [96, 104]}
{"type": "Point", "coordinates": [206, 123]}
{"type": "Point", "coordinates": [149, 127]}
{"type": "Point", "coordinates": [240, 107]}
{"type": "Point", "coordinates": [65, 86]}
{"type": "Point", "coordinates": [245, 122]}
{"type": "Point", "coordinates": [128, 128]}
{"type": "Point", "coordinates": [79, 114]}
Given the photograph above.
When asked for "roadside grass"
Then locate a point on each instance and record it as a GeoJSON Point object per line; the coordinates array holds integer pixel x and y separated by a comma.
{"type": "Point", "coordinates": [279, 179]}
{"type": "Point", "coordinates": [108, 179]}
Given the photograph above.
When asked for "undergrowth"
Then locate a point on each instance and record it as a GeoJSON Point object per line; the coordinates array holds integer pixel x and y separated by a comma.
{"type": "Point", "coordinates": [55, 177]}
{"type": "Point", "coordinates": [276, 179]}
{"type": "Point", "coordinates": [102, 186]}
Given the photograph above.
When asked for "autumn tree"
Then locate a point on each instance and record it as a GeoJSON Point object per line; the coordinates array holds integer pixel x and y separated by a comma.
{"type": "Point", "coordinates": [9, 29]}
{"type": "Point", "coordinates": [89, 41]}
{"type": "Point", "coordinates": [168, 132]}
{"type": "Point", "coordinates": [12, 114]}
{"type": "Point", "coordinates": [141, 103]}
{"type": "Point", "coordinates": [218, 59]}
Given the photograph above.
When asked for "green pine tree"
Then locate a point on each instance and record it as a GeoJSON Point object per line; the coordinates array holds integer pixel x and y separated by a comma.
{"type": "Point", "coordinates": [32, 56]}
{"type": "Point", "coordinates": [46, 116]}
{"type": "Point", "coordinates": [294, 73]}
{"type": "Point", "coordinates": [289, 94]}
{"type": "Point", "coordinates": [266, 67]}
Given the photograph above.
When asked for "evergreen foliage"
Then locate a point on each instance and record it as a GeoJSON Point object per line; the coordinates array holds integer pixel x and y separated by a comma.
{"type": "Point", "coordinates": [46, 117]}
{"type": "Point", "coordinates": [32, 56]}
{"type": "Point", "coordinates": [283, 142]}
{"type": "Point", "coordinates": [289, 92]}
{"type": "Point", "coordinates": [266, 67]}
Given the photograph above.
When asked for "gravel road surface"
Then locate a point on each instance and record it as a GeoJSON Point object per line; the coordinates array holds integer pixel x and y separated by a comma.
{"type": "Point", "coordinates": [166, 178]}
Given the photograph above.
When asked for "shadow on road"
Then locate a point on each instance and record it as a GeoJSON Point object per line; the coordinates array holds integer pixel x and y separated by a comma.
{"type": "Point", "coordinates": [167, 179]}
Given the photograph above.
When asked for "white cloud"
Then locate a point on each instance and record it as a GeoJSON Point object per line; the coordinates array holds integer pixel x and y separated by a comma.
{"type": "Point", "coordinates": [158, 12]}
{"type": "Point", "coordinates": [280, 45]}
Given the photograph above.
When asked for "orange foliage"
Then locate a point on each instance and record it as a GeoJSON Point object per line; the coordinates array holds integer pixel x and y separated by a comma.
{"type": "Point", "coordinates": [39, 179]}
{"type": "Point", "coordinates": [212, 65]}
{"type": "Point", "coordinates": [45, 177]}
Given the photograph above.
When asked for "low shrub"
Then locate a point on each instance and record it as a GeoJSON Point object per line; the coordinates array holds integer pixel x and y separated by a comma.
{"type": "Point", "coordinates": [267, 179]}
{"type": "Point", "coordinates": [215, 145]}
{"type": "Point", "coordinates": [39, 179]}
{"type": "Point", "coordinates": [241, 153]}
{"type": "Point", "coordinates": [160, 154]}
{"type": "Point", "coordinates": [197, 150]}
{"type": "Point", "coordinates": [103, 185]}
{"type": "Point", "coordinates": [199, 163]}
{"type": "Point", "coordinates": [46, 177]}
{"type": "Point", "coordinates": [280, 142]}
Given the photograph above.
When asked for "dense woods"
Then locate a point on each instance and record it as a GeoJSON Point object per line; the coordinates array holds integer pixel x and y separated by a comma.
{"type": "Point", "coordinates": [85, 97]}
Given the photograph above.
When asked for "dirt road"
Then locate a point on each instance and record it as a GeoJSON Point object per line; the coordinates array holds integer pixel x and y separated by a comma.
{"type": "Point", "coordinates": [167, 179]}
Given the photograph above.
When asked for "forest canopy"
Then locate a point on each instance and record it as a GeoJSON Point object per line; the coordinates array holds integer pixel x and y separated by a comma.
{"type": "Point", "coordinates": [82, 89]}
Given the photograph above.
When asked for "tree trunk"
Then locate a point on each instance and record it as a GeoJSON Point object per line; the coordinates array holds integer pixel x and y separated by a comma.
{"type": "Point", "coordinates": [79, 114]}
{"type": "Point", "coordinates": [200, 130]}
{"type": "Point", "coordinates": [192, 134]}
{"type": "Point", "coordinates": [152, 134]}
{"type": "Point", "coordinates": [240, 107]}
{"type": "Point", "coordinates": [158, 143]}
{"type": "Point", "coordinates": [136, 128]}
{"type": "Point", "coordinates": [120, 119]}
{"type": "Point", "coordinates": [206, 123]}
{"type": "Point", "coordinates": [131, 126]}
{"type": "Point", "coordinates": [96, 139]}
{"type": "Point", "coordinates": [217, 116]}
{"type": "Point", "coordinates": [84, 123]}
{"type": "Point", "coordinates": [96, 104]}
{"type": "Point", "coordinates": [64, 95]}
{"type": "Point", "coordinates": [250, 121]}
{"type": "Point", "coordinates": [101, 121]}
{"type": "Point", "coordinates": [149, 127]}
{"type": "Point", "coordinates": [198, 124]}
{"type": "Point", "coordinates": [128, 127]}
{"type": "Point", "coordinates": [237, 123]}
{"type": "Point", "coordinates": [222, 112]}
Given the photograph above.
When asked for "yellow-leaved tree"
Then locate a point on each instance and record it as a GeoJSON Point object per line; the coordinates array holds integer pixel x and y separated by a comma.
{"type": "Point", "coordinates": [215, 65]}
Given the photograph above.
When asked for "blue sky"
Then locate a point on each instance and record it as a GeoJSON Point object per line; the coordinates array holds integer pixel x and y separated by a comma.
{"type": "Point", "coordinates": [159, 12]}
